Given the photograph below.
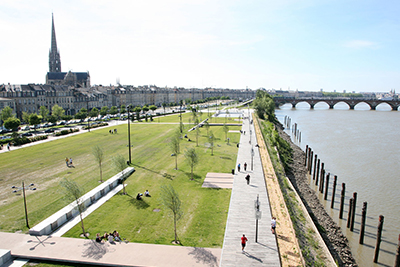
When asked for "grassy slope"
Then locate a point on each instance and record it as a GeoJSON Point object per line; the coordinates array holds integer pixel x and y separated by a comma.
{"type": "Point", "coordinates": [205, 210]}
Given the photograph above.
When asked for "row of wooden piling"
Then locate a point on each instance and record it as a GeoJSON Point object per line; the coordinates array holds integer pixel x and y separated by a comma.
{"type": "Point", "coordinates": [295, 132]}
{"type": "Point", "coordinates": [321, 179]}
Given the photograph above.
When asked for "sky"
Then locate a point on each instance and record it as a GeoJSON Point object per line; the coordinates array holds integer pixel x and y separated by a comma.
{"type": "Point", "coordinates": [306, 45]}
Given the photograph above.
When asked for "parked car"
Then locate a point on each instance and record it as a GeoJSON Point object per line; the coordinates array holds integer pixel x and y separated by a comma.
{"type": "Point", "coordinates": [25, 128]}
{"type": "Point", "coordinates": [26, 134]}
{"type": "Point", "coordinates": [50, 130]}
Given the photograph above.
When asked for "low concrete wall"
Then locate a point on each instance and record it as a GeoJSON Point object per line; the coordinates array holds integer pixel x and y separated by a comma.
{"type": "Point", "coordinates": [5, 256]}
{"type": "Point", "coordinates": [50, 224]}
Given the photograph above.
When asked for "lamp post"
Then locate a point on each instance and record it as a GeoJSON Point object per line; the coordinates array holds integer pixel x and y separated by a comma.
{"type": "Point", "coordinates": [129, 135]}
{"type": "Point", "coordinates": [23, 188]}
{"type": "Point", "coordinates": [252, 155]}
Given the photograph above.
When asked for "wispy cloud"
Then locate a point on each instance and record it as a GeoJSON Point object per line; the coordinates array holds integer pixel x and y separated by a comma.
{"type": "Point", "coordinates": [360, 44]}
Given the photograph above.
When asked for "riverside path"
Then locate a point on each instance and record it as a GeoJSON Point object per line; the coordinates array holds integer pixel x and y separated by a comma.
{"type": "Point", "coordinates": [241, 215]}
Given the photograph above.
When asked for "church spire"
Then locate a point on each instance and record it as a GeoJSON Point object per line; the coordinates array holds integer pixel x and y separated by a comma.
{"type": "Point", "coordinates": [54, 55]}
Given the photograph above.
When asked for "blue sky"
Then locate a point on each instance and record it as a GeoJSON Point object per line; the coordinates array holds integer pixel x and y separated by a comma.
{"type": "Point", "coordinates": [305, 45]}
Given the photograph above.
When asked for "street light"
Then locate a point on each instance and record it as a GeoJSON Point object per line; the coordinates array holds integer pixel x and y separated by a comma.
{"type": "Point", "coordinates": [129, 135]}
{"type": "Point", "coordinates": [252, 155]}
{"type": "Point", "coordinates": [257, 204]}
{"type": "Point", "coordinates": [23, 188]}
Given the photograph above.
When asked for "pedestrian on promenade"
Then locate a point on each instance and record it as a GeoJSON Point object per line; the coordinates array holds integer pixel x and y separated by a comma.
{"type": "Point", "coordinates": [245, 166]}
{"type": "Point", "coordinates": [273, 225]}
{"type": "Point", "coordinates": [239, 167]}
{"type": "Point", "coordinates": [248, 178]}
{"type": "Point", "coordinates": [244, 240]}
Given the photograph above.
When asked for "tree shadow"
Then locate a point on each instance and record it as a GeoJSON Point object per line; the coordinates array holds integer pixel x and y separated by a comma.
{"type": "Point", "coordinates": [204, 256]}
{"type": "Point", "coordinates": [139, 204]}
{"type": "Point", "coordinates": [165, 175]}
{"type": "Point", "coordinates": [95, 250]}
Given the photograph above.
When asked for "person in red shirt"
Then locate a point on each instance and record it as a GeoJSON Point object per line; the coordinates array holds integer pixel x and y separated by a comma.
{"type": "Point", "coordinates": [244, 240]}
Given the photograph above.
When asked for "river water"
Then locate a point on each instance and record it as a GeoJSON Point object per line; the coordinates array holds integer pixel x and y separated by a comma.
{"type": "Point", "coordinates": [361, 147]}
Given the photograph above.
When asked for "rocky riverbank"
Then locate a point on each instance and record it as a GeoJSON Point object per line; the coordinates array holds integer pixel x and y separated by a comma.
{"type": "Point", "coordinates": [329, 230]}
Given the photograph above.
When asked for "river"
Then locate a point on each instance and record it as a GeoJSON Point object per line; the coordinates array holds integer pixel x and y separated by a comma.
{"type": "Point", "coordinates": [361, 147]}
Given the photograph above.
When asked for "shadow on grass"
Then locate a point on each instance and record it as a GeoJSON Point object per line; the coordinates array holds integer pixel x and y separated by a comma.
{"type": "Point", "coordinates": [196, 178]}
{"type": "Point", "coordinates": [165, 175]}
{"type": "Point", "coordinates": [139, 204]}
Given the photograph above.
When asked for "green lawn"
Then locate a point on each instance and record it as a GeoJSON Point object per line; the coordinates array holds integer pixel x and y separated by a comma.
{"type": "Point", "coordinates": [205, 210]}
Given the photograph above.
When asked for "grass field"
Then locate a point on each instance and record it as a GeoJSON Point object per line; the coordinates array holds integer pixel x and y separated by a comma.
{"type": "Point", "coordinates": [205, 210]}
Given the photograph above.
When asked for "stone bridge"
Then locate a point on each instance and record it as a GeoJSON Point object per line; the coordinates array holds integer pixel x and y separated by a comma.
{"type": "Point", "coordinates": [332, 101]}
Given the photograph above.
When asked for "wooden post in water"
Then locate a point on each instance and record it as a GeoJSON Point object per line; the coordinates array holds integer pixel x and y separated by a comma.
{"type": "Point", "coordinates": [295, 129]}
{"type": "Point", "coordinates": [397, 261]}
{"type": "Point", "coordinates": [315, 165]}
{"type": "Point", "coordinates": [321, 184]}
{"type": "Point", "coordinates": [310, 167]}
{"type": "Point", "coordinates": [363, 218]}
{"type": "Point", "coordinates": [350, 212]}
{"type": "Point", "coordinates": [285, 120]}
{"type": "Point", "coordinates": [333, 191]}
{"type": "Point", "coordinates": [326, 186]}
{"type": "Point", "coordinates": [378, 238]}
{"type": "Point", "coordinates": [305, 160]}
{"type": "Point", "coordinates": [342, 200]}
{"type": "Point", "coordinates": [319, 163]}
{"type": "Point", "coordinates": [300, 137]}
{"type": "Point", "coordinates": [320, 176]}
{"type": "Point", "coordinates": [353, 214]}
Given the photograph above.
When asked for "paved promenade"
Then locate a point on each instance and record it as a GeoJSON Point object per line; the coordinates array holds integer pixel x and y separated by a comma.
{"type": "Point", "coordinates": [87, 251]}
{"type": "Point", "coordinates": [241, 215]}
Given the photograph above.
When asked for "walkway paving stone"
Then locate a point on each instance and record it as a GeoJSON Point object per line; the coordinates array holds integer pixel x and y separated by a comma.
{"type": "Point", "coordinates": [241, 215]}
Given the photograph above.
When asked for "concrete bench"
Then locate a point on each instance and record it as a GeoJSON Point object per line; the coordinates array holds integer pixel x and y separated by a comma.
{"type": "Point", "coordinates": [51, 223]}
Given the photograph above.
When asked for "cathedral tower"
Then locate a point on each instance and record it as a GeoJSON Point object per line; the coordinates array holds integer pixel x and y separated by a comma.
{"type": "Point", "coordinates": [54, 55]}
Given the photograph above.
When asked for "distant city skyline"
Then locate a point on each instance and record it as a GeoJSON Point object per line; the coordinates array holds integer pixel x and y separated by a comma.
{"type": "Point", "coordinates": [305, 45]}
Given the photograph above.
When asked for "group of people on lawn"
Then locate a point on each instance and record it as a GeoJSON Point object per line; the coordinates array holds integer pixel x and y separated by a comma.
{"type": "Point", "coordinates": [111, 237]}
{"type": "Point", "coordinates": [146, 194]}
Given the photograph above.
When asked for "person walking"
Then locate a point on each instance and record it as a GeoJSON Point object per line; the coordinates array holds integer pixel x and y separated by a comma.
{"type": "Point", "coordinates": [67, 161]}
{"type": "Point", "coordinates": [239, 167]}
{"type": "Point", "coordinates": [248, 178]}
{"type": "Point", "coordinates": [244, 240]}
{"type": "Point", "coordinates": [245, 166]}
{"type": "Point", "coordinates": [273, 225]}
{"type": "Point", "coordinates": [70, 162]}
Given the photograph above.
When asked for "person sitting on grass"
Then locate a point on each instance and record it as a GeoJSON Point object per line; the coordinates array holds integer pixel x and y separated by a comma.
{"type": "Point", "coordinates": [139, 196]}
{"type": "Point", "coordinates": [116, 236]}
{"type": "Point", "coordinates": [147, 193]}
{"type": "Point", "coordinates": [110, 238]}
{"type": "Point", "coordinates": [98, 238]}
{"type": "Point", "coordinates": [105, 236]}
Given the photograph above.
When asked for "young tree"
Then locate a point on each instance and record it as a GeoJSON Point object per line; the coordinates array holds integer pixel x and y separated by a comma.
{"type": "Point", "coordinates": [84, 112]}
{"type": "Point", "coordinates": [12, 123]}
{"type": "Point", "coordinates": [34, 119]}
{"type": "Point", "coordinates": [104, 111]}
{"type": "Point", "coordinates": [152, 108]}
{"type": "Point", "coordinates": [175, 146]}
{"type": "Point", "coordinates": [207, 125]}
{"type": "Point", "coordinates": [226, 130]}
{"type": "Point", "coordinates": [43, 112]}
{"type": "Point", "coordinates": [192, 159]}
{"type": "Point", "coordinates": [145, 108]}
{"type": "Point", "coordinates": [197, 135]}
{"type": "Point", "coordinates": [164, 105]}
{"type": "Point", "coordinates": [73, 192]}
{"type": "Point", "coordinates": [57, 111]}
{"type": "Point", "coordinates": [98, 154]}
{"type": "Point", "coordinates": [123, 109]}
{"type": "Point", "coordinates": [25, 117]}
{"type": "Point", "coordinates": [212, 139]}
{"type": "Point", "coordinates": [94, 112]}
{"type": "Point", "coordinates": [137, 111]}
{"type": "Point", "coordinates": [120, 165]}
{"type": "Point", "coordinates": [170, 200]}
{"type": "Point", "coordinates": [6, 113]}
{"type": "Point", "coordinates": [113, 110]}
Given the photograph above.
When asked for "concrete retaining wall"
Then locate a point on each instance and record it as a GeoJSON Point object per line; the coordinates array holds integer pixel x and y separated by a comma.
{"type": "Point", "coordinates": [47, 226]}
